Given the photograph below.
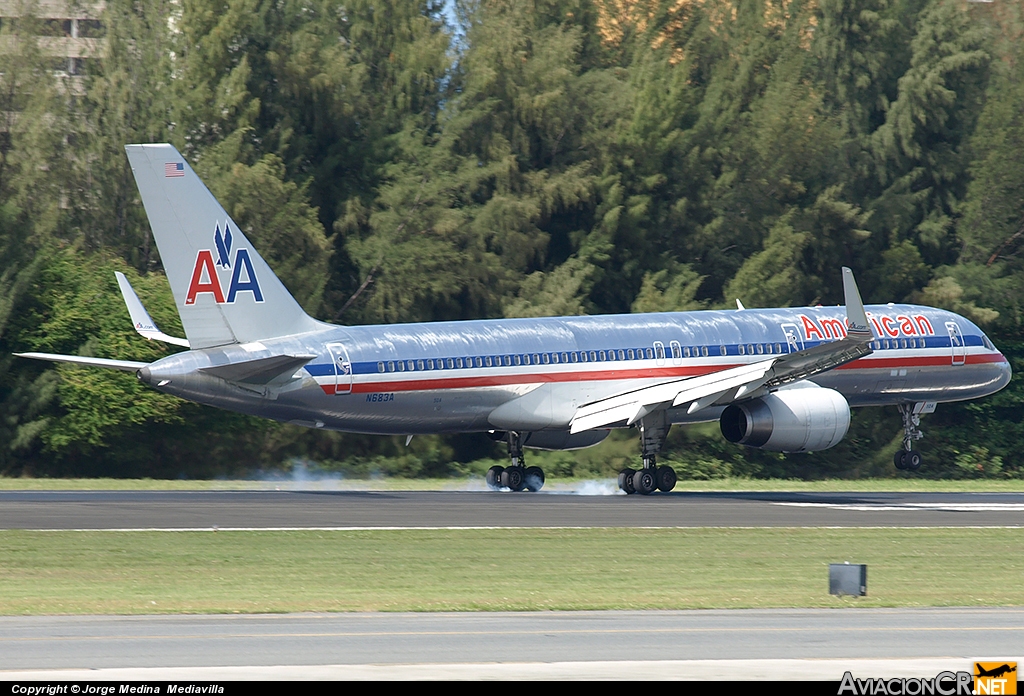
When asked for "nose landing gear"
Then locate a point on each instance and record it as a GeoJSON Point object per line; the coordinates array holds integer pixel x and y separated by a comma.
{"type": "Point", "coordinates": [517, 476]}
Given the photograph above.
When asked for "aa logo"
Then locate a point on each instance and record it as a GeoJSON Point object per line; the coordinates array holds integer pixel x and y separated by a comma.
{"type": "Point", "coordinates": [995, 678]}
{"type": "Point", "coordinates": [206, 276]}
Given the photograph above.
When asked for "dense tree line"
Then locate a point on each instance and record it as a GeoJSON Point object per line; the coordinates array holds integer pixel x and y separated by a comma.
{"type": "Point", "coordinates": [403, 160]}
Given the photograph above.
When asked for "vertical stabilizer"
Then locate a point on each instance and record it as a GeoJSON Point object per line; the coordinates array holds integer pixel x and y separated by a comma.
{"type": "Point", "coordinates": [224, 290]}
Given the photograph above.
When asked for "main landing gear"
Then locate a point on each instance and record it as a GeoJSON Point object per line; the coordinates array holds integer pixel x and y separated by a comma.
{"type": "Point", "coordinates": [907, 458]}
{"type": "Point", "coordinates": [651, 477]}
{"type": "Point", "coordinates": [517, 476]}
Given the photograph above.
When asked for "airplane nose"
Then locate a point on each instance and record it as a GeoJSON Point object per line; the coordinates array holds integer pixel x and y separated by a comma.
{"type": "Point", "coordinates": [1006, 370]}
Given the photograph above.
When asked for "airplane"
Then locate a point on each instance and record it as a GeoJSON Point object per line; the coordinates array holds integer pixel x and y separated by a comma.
{"type": "Point", "coordinates": [780, 379]}
{"type": "Point", "coordinates": [994, 672]}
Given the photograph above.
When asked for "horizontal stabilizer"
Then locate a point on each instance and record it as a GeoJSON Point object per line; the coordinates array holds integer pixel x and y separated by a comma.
{"type": "Point", "coordinates": [259, 371]}
{"type": "Point", "coordinates": [143, 323]}
{"type": "Point", "coordinates": [123, 365]}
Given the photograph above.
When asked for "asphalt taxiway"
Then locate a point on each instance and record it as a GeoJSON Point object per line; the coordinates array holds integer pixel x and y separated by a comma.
{"type": "Point", "coordinates": [425, 509]}
{"type": "Point", "coordinates": [647, 643]}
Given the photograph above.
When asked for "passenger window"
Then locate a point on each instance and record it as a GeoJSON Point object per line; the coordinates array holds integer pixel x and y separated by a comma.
{"type": "Point", "coordinates": [659, 350]}
{"type": "Point", "coordinates": [704, 351]}
{"type": "Point", "coordinates": [630, 354]}
{"type": "Point", "coordinates": [420, 365]}
{"type": "Point", "coordinates": [554, 358]}
{"type": "Point", "coordinates": [545, 358]}
{"type": "Point", "coordinates": [686, 351]}
{"type": "Point", "coordinates": [574, 356]}
{"type": "Point", "coordinates": [479, 361]}
{"type": "Point", "coordinates": [649, 352]}
{"type": "Point", "coordinates": [380, 367]}
{"type": "Point", "coordinates": [742, 350]}
{"type": "Point", "coordinates": [593, 356]}
{"type": "Point", "coordinates": [676, 351]}
{"type": "Point", "coordinates": [565, 357]}
{"type": "Point", "coordinates": [622, 354]}
{"type": "Point", "coordinates": [430, 364]}
{"type": "Point", "coordinates": [401, 366]}
{"type": "Point", "coordinates": [760, 349]}
{"type": "Point", "coordinates": [517, 360]}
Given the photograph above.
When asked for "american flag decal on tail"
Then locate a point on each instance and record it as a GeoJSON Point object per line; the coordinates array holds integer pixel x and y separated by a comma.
{"type": "Point", "coordinates": [172, 169]}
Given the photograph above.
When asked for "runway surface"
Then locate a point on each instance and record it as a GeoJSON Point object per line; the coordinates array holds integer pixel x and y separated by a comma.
{"type": "Point", "coordinates": [348, 509]}
{"type": "Point", "coordinates": [597, 638]}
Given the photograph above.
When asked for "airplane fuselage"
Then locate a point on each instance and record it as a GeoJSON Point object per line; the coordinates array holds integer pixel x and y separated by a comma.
{"type": "Point", "coordinates": [532, 374]}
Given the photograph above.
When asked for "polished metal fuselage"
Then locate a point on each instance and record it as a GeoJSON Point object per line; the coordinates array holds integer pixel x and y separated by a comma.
{"type": "Point", "coordinates": [532, 374]}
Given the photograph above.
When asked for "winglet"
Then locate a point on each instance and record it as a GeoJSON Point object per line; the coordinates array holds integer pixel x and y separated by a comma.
{"type": "Point", "coordinates": [739, 305]}
{"type": "Point", "coordinates": [143, 323]}
{"type": "Point", "coordinates": [856, 317]}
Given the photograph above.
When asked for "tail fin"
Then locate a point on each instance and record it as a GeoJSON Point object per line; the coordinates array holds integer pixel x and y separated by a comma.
{"type": "Point", "coordinates": [224, 290]}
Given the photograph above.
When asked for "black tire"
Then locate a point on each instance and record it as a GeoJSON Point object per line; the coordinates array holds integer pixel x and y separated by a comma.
{"type": "Point", "coordinates": [513, 478]}
{"type": "Point", "coordinates": [534, 478]}
{"type": "Point", "coordinates": [912, 461]}
{"type": "Point", "coordinates": [493, 477]}
{"type": "Point", "coordinates": [644, 482]}
{"type": "Point", "coordinates": [666, 478]}
{"type": "Point", "coordinates": [899, 459]}
{"type": "Point", "coordinates": [626, 481]}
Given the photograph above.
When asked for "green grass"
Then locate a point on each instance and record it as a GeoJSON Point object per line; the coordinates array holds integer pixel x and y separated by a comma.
{"type": "Point", "coordinates": [467, 570]}
{"type": "Point", "coordinates": [476, 483]}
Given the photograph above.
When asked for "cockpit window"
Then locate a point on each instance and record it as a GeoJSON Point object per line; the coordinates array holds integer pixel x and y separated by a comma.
{"type": "Point", "coordinates": [988, 343]}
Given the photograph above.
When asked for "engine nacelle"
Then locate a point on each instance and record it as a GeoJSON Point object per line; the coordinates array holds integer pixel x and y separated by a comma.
{"type": "Point", "coordinates": [803, 418]}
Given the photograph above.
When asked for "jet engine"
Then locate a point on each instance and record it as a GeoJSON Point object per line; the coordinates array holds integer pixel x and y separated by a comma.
{"type": "Point", "coordinates": [802, 418]}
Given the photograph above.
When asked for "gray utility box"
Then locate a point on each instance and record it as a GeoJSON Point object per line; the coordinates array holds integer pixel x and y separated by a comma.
{"type": "Point", "coordinates": [848, 579]}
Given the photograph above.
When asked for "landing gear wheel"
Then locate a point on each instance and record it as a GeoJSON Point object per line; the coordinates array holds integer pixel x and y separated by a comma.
{"type": "Point", "coordinates": [666, 478]}
{"type": "Point", "coordinates": [494, 477]}
{"type": "Point", "coordinates": [899, 459]}
{"type": "Point", "coordinates": [912, 460]}
{"type": "Point", "coordinates": [644, 482]}
{"type": "Point", "coordinates": [513, 478]}
{"type": "Point", "coordinates": [534, 478]}
{"type": "Point", "coordinates": [626, 481]}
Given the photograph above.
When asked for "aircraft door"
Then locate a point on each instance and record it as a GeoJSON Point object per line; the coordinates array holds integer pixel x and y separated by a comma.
{"type": "Point", "coordinates": [956, 343]}
{"type": "Point", "coordinates": [659, 353]}
{"type": "Point", "coordinates": [342, 368]}
{"type": "Point", "coordinates": [794, 342]}
{"type": "Point", "coordinates": [677, 352]}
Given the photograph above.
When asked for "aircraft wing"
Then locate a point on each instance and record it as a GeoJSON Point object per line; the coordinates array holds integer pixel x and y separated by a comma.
{"type": "Point", "coordinates": [735, 383]}
{"type": "Point", "coordinates": [124, 365]}
{"type": "Point", "coordinates": [701, 391]}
